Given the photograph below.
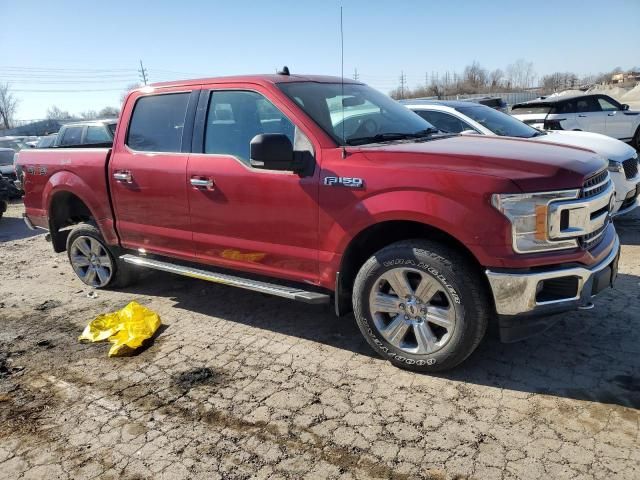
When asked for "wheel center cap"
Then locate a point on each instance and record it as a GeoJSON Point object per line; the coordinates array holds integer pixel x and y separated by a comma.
{"type": "Point", "coordinates": [412, 307]}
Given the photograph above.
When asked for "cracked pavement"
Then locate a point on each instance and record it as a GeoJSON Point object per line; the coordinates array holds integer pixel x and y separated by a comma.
{"type": "Point", "coordinates": [241, 385]}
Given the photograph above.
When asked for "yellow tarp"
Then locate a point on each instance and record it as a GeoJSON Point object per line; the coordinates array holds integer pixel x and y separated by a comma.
{"type": "Point", "coordinates": [126, 328]}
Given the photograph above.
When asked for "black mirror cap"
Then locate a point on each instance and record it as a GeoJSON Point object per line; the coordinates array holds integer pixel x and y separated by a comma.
{"type": "Point", "coordinates": [625, 106]}
{"type": "Point", "coordinates": [272, 151]}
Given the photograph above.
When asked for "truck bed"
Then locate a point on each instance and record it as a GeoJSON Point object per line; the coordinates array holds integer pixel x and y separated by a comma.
{"type": "Point", "coordinates": [44, 170]}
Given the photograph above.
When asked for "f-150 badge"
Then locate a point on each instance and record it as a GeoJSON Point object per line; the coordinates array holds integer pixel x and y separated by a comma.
{"type": "Point", "coordinates": [351, 182]}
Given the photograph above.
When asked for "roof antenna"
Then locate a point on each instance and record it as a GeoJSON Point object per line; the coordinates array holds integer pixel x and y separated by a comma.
{"type": "Point", "coordinates": [284, 71]}
{"type": "Point", "coordinates": [344, 140]}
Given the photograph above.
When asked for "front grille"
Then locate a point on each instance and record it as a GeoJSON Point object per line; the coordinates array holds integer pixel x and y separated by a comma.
{"type": "Point", "coordinates": [630, 168]}
{"type": "Point", "coordinates": [596, 184]}
{"type": "Point", "coordinates": [592, 239]}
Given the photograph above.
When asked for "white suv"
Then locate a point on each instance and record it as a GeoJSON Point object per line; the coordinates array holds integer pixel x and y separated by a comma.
{"type": "Point", "coordinates": [472, 118]}
{"type": "Point", "coordinates": [590, 113]}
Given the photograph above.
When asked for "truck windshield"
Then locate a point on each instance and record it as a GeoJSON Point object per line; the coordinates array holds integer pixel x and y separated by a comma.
{"type": "Point", "coordinates": [356, 115]}
{"type": "Point", "coordinates": [498, 122]}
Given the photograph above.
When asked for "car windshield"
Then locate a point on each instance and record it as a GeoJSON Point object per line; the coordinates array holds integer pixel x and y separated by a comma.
{"type": "Point", "coordinates": [354, 114]}
{"type": "Point", "coordinates": [112, 128]}
{"type": "Point", "coordinates": [498, 122]}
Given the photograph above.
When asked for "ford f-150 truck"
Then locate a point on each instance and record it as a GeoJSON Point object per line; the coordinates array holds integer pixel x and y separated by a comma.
{"type": "Point", "coordinates": [322, 191]}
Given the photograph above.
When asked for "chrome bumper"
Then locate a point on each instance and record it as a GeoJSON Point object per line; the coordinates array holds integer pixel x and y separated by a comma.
{"type": "Point", "coordinates": [517, 293]}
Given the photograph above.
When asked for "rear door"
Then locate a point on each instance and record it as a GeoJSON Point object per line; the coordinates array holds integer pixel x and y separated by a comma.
{"type": "Point", "coordinates": [618, 124]}
{"type": "Point", "coordinates": [589, 115]}
{"type": "Point", "coordinates": [147, 172]}
{"type": "Point", "coordinates": [242, 217]}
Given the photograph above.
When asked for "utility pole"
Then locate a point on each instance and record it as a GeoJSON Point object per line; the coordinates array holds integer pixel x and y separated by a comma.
{"type": "Point", "coordinates": [426, 79]}
{"type": "Point", "coordinates": [403, 82]}
{"type": "Point", "coordinates": [356, 77]}
{"type": "Point", "coordinates": [143, 73]}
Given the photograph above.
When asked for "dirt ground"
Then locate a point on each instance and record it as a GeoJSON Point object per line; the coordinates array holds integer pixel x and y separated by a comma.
{"type": "Point", "coordinates": [242, 385]}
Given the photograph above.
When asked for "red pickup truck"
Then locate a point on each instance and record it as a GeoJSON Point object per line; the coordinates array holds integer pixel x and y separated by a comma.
{"type": "Point", "coordinates": [317, 190]}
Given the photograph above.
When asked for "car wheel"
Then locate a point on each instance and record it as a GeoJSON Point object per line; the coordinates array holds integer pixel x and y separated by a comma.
{"type": "Point", "coordinates": [421, 305]}
{"type": "Point", "coordinates": [93, 261]}
{"type": "Point", "coordinates": [636, 140]}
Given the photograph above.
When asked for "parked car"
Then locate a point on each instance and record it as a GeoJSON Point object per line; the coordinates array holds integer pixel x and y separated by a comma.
{"type": "Point", "coordinates": [47, 141]}
{"type": "Point", "coordinates": [7, 170]}
{"type": "Point", "coordinates": [496, 103]}
{"type": "Point", "coordinates": [91, 132]}
{"type": "Point", "coordinates": [458, 117]}
{"type": "Point", "coordinates": [590, 113]}
{"type": "Point", "coordinates": [15, 143]}
{"type": "Point", "coordinates": [4, 195]}
{"type": "Point", "coordinates": [426, 236]}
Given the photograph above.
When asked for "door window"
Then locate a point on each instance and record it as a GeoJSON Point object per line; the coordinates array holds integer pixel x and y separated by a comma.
{"type": "Point", "coordinates": [97, 135]}
{"type": "Point", "coordinates": [587, 104]}
{"type": "Point", "coordinates": [235, 117]}
{"type": "Point", "coordinates": [606, 105]}
{"type": "Point", "coordinates": [444, 121]}
{"type": "Point", "coordinates": [72, 136]}
{"type": "Point", "coordinates": [157, 123]}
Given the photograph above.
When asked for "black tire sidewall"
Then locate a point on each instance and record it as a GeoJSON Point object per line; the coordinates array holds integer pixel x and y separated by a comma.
{"type": "Point", "coordinates": [462, 341]}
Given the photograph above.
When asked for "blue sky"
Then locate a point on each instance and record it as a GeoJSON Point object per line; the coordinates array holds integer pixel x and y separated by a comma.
{"type": "Point", "coordinates": [77, 46]}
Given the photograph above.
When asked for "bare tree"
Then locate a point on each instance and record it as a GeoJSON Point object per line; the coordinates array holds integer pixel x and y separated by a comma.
{"type": "Point", "coordinates": [8, 106]}
{"type": "Point", "coordinates": [55, 113]}
{"type": "Point", "coordinates": [495, 77]}
{"type": "Point", "coordinates": [132, 86]}
{"type": "Point", "coordinates": [474, 76]}
{"type": "Point", "coordinates": [89, 115]}
{"type": "Point", "coordinates": [520, 74]}
{"type": "Point", "coordinates": [109, 112]}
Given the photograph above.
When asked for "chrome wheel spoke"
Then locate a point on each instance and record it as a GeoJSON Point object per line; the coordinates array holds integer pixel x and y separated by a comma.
{"type": "Point", "coordinates": [386, 303]}
{"type": "Point", "coordinates": [84, 247]}
{"type": "Point", "coordinates": [105, 261]}
{"type": "Point", "coordinates": [96, 248]}
{"type": "Point", "coordinates": [427, 288]}
{"type": "Point", "coordinates": [443, 317]}
{"type": "Point", "coordinates": [103, 275]}
{"type": "Point", "coordinates": [396, 330]}
{"type": "Point", "coordinates": [425, 338]}
{"type": "Point", "coordinates": [80, 261]}
{"type": "Point", "coordinates": [90, 277]}
{"type": "Point", "coordinates": [399, 282]}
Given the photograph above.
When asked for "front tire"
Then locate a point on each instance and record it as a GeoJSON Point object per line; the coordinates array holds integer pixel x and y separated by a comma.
{"type": "Point", "coordinates": [93, 261]}
{"type": "Point", "coordinates": [421, 305]}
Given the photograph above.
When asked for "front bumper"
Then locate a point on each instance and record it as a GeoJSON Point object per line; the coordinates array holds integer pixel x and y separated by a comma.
{"type": "Point", "coordinates": [520, 297]}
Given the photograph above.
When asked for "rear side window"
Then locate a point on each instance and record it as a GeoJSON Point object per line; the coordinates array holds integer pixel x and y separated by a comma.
{"type": "Point", "coordinates": [157, 123]}
{"type": "Point", "coordinates": [565, 107]}
{"type": "Point", "coordinates": [530, 109]}
{"type": "Point", "coordinates": [97, 135]}
{"type": "Point", "coordinates": [72, 136]}
{"type": "Point", "coordinates": [444, 121]}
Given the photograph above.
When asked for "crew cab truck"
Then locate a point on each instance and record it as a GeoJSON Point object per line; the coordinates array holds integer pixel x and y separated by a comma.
{"type": "Point", "coordinates": [324, 191]}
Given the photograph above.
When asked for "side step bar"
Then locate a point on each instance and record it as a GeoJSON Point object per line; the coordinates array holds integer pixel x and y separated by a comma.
{"type": "Point", "coordinates": [257, 286]}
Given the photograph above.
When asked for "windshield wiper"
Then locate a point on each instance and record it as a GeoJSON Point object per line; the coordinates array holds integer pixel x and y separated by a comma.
{"type": "Point", "coordinates": [390, 136]}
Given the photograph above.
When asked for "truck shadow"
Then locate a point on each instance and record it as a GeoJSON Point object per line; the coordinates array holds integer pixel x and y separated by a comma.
{"type": "Point", "coordinates": [590, 355]}
{"type": "Point", "coordinates": [12, 226]}
{"type": "Point", "coordinates": [628, 228]}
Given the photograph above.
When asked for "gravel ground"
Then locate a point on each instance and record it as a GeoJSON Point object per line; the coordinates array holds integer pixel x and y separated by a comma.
{"type": "Point", "coordinates": [241, 385]}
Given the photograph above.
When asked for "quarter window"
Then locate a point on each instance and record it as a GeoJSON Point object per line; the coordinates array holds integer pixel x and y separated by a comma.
{"type": "Point", "coordinates": [606, 105]}
{"type": "Point", "coordinates": [72, 136]}
{"type": "Point", "coordinates": [235, 117]}
{"type": "Point", "coordinates": [157, 123]}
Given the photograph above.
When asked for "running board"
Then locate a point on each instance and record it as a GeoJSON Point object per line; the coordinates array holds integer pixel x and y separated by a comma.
{"type": "Point", "coordinates": [248, 284]}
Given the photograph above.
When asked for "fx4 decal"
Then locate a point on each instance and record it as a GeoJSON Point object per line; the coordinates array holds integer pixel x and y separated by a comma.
{"type": "Point", "coordinates": [351, 182]}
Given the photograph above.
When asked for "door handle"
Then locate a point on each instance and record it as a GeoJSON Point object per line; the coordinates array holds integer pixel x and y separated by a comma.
{"type": "Point", "coordinates": [582, 116]}
{"type": "Point", "coordinates": [205, 183]}
{"type": "Point", "coordinates": [123, 176]}
{"type": "Point", "coordinates": [610, 114]}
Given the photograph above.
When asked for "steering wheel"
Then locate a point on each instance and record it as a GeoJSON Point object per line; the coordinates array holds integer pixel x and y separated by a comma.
{"type": "Point", "coordinates": [367, 128]}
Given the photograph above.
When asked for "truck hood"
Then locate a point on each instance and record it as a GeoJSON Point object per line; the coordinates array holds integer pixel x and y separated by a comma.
{"type": "Point", "coordinates": [533, 166]}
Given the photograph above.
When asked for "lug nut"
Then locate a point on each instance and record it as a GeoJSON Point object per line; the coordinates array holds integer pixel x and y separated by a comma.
{"type": "Point", "coordinates": [402, 306]}
{"type": "Point", "coordinates": [406, 317]}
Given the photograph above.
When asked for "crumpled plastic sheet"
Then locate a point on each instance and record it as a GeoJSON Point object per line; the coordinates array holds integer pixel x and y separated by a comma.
{"type": "Point", "coordinates": [126, 329]}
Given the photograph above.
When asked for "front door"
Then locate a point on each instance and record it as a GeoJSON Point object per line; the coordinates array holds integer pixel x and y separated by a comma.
{"type": "Point", "coordinates": [590, 116]}
{"type": "Point", "coordinates": [148, 175]}
{"type": "Point", "coordinates": [618, 124]}
{"type": "Point", "coordinates": [257, 220]}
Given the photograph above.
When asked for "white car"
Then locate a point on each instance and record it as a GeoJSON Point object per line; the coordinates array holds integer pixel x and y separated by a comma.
{"type": "Point", "coordinates": [471, 118]}
{"type": "Point", "coordinates": [590, 113]}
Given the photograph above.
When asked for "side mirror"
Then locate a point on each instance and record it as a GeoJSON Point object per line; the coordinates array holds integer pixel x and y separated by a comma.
{"type": "Point", "coordinates": [469, 132]}
{"type": "Point", "coordinates": [272, 151]}
{"type": "Point", "coordinates": [625, 106]}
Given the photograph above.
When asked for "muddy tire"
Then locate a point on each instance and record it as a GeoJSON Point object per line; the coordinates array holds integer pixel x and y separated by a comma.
{"type": "Point", "coordinates": [421, 305]}
{"type": "Point", "coordinates": [93, 261]}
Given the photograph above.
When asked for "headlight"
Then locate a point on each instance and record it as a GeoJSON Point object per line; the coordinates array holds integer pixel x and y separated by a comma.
{"type": "Point", "coordinates": [615, 166]}
{"type": "Point", "coordinates": [529, 217]}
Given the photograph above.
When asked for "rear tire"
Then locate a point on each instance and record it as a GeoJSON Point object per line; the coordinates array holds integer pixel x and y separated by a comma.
{"type": "Point", "coordinates": [93, 261]}
{"type": "Point", "coordinates": [421, 305]}
{"type": "Point", "coordinates": [636, 140]}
